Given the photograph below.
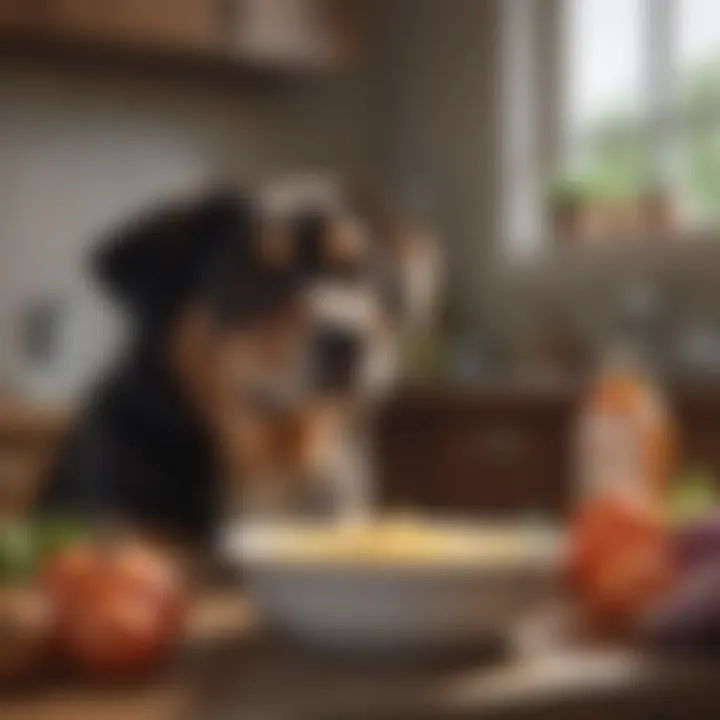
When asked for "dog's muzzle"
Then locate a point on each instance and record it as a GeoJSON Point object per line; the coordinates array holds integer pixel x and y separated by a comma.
{"type": "Point", "coordinates": [336, 354]}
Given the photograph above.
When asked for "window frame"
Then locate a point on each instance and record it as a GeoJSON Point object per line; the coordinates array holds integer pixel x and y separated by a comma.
{"type": "Point", "coordinates": [663, 121]}
{"type": "Point", "coordinates": [540, 144]}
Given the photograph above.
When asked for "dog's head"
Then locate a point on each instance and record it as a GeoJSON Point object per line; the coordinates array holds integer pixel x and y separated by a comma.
{"type": "Point", "coordinates": [279, 309]}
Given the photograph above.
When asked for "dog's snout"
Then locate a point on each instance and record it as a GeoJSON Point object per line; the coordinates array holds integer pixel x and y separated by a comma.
{"type": "Point", "coordinates": [337, 351]}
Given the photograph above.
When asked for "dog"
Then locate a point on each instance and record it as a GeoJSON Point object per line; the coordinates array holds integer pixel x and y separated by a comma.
{"type": "Point", "coordinates": [266, 326]}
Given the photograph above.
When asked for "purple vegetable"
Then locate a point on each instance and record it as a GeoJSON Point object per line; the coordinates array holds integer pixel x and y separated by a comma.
{"type": "Point", "coordinates": [688, 618]}
{"type": "Point", "coordinates": [698, 543]}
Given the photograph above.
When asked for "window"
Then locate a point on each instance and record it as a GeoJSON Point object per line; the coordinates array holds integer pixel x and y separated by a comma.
{"type": "Point", "coordinates": [699, 98]}
{"type": "Point", "coordinates": [637, 116]}
{"type": "Point", "coordinates": [603, 90]}
{"type": "Point", "coordinates": [642, 105]}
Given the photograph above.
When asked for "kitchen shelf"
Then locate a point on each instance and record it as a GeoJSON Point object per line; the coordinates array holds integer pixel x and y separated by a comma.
{"type": "Point", "coordinates": [207, 42]}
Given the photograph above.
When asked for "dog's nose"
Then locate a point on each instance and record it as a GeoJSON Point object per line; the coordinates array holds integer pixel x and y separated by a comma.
{"type": "Point", "coordinates": [336, 352]}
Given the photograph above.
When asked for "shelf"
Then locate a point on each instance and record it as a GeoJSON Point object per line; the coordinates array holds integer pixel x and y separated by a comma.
{"type": "Point", "coordinates": [206, 36]}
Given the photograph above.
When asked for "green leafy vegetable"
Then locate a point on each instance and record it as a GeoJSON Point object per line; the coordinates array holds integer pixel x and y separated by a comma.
{"type": "Point", "coordinates": [693, 496]}
{"type": "Point", "coordinates": [18, 552]}
{"type": "Point", "coordinates": [24, 543]}
{"type": "Point", "coordinates": [56, 531]}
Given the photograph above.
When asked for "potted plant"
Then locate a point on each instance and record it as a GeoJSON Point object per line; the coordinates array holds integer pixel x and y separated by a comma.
{"type": "Point", "coordinates": [659, 211]}
{"type": "Point", "coordinates": [573, 211]}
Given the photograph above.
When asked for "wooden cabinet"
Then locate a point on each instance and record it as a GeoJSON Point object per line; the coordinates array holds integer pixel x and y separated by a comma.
{"type": "Point", "coordinates": [510, 451]}
{"type": "Point", "coordinates": [274, 32]}
{"type": "Point", "coordinates": [491, 452]}
{"type": "Point", "coordinates": [502, 465]}
{"type": "Point", "coordinates": [24, 16]}
{"type": "Point", "coordinates": [499, 452]}
{"type": "Point", "coordinates": [29, 438]}
{"type": "Point", "coordinates": [698, 417]}
{"type": "Point", "coordinates": [179, 24]}
{"type": "Point", "coordinates": [185, 24]}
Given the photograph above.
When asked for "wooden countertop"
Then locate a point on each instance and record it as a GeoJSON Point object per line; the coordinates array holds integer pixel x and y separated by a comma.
{"type": "Point", "coordinates": [216, 617]}
{"type": "Point", "coordinates": [25, 418]}
{"type": "Point", "coordinates": [229, 668]}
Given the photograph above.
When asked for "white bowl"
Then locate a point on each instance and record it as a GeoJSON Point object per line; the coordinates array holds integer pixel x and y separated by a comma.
{"type": "Point", "coordinates": [482, 579]}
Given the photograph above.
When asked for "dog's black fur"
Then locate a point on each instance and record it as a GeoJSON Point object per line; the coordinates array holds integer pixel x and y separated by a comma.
{"type": "Point", "coordinates": [141, 451]}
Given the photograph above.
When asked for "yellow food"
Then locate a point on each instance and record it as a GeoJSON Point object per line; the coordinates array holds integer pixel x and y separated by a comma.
{"type": "Point", "coordinates": [400, 541]}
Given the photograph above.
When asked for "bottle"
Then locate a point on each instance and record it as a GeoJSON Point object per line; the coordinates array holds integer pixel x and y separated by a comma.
{"type": "Point", "coordinates": [626, 442]}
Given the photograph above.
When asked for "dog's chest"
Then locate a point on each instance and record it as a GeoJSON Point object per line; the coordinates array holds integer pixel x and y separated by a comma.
{"type": "Point", "coordinates": [310, 467]}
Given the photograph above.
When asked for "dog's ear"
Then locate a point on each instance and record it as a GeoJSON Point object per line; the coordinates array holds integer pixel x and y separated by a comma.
{"type": "Point", "coordinates": [419, 270]}
{"type": "Point", "coordinates": [411, 254]}
{"type": "Point", "coordinates": [156, 260]}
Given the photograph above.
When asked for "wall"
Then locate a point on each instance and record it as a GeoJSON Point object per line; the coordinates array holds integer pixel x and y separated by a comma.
{"type": "Point", "coordinates": [80, 147]}
{"type": "Point", "coordinates": [436, 100]}
{"type": "Point", "coordinates": [417, 118]}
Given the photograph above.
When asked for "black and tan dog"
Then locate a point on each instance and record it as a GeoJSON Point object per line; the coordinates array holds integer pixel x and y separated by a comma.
{"type": "Point", "coordinates": [265, 327]}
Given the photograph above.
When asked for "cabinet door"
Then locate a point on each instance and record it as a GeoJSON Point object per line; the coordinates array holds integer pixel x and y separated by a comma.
{"type": "Point", "coordinates": [700, 447]}
{"type": "Point", "coordinates": [476, 456]}
{"type": "Point", "coordinates": [24, 16]}
{"type": "Point", "coordinates": [496, 465]}
{"type": "Point", "coordinates": [407, 462]}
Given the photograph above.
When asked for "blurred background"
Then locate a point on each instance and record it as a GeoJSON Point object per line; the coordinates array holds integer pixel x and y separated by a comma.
{"type": "Point", "coordinates": [565, 152]}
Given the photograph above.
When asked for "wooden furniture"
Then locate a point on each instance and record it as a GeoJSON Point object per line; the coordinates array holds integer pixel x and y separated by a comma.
{"type": "Point", "coordinates": [29, 437]}
{"type": "Point", "coordinates": [509, 450]}
{"type": "Point", "coordinates": [501, 450]}
{"type": "Point", "coordinates": [298, 34]}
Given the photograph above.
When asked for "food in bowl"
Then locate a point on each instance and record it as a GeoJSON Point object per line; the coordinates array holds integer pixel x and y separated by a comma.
{"type": "Point", "coordinates": [396, 541]}
{"type": "Point", "coordinates": [395, 583]}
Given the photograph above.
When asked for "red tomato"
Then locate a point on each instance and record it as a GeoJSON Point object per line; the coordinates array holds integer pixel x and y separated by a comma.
{"type": "Point", "coordinates": [121, 606]}
{"type": "Point", "coordinates": [618, 560]}
{"type": "Point", "coordinates": [119, 632]}
{"type": "Point", "coordinates": [71, 574]}
{"type": "Point", "coordinates": [604, 528]}
{"type": "Point", "coordinates": [625, 585]}
{"type": "Point", "coordinates": [154, 576]}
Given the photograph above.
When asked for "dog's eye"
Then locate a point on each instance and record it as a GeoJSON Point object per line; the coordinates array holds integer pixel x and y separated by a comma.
{"type": "Point", "coordinates": [344, 243]}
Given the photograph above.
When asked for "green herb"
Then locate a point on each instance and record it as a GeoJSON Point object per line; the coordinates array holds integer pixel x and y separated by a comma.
{"type": "Point", "coordinates": [54, 532]}
{"type": "Point", "coordinates": [24, 543]}
{"type": "Point", "coordinates": [18, 552]}
{"type": "Point", "coordinates": [691, 496]}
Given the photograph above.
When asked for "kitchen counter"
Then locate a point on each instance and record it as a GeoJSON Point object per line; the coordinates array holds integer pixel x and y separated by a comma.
{"type": "Point", "coordinates": [229, 667]}
{"type": "Point", "coordinates": [217, 617]}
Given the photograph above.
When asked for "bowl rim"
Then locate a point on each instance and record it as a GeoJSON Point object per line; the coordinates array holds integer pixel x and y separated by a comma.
{"type": "Point", "coordinates": [249, 545]}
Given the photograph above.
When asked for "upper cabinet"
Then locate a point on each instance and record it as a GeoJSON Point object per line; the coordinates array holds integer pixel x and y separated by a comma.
{"type": "Point", "coordinates": [162, 23]}
{"type": "Point", "coordinates": [292, 33]}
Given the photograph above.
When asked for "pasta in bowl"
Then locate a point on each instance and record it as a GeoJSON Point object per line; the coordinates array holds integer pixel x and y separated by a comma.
{"type": "Point", "coordinates": [396, 583]}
